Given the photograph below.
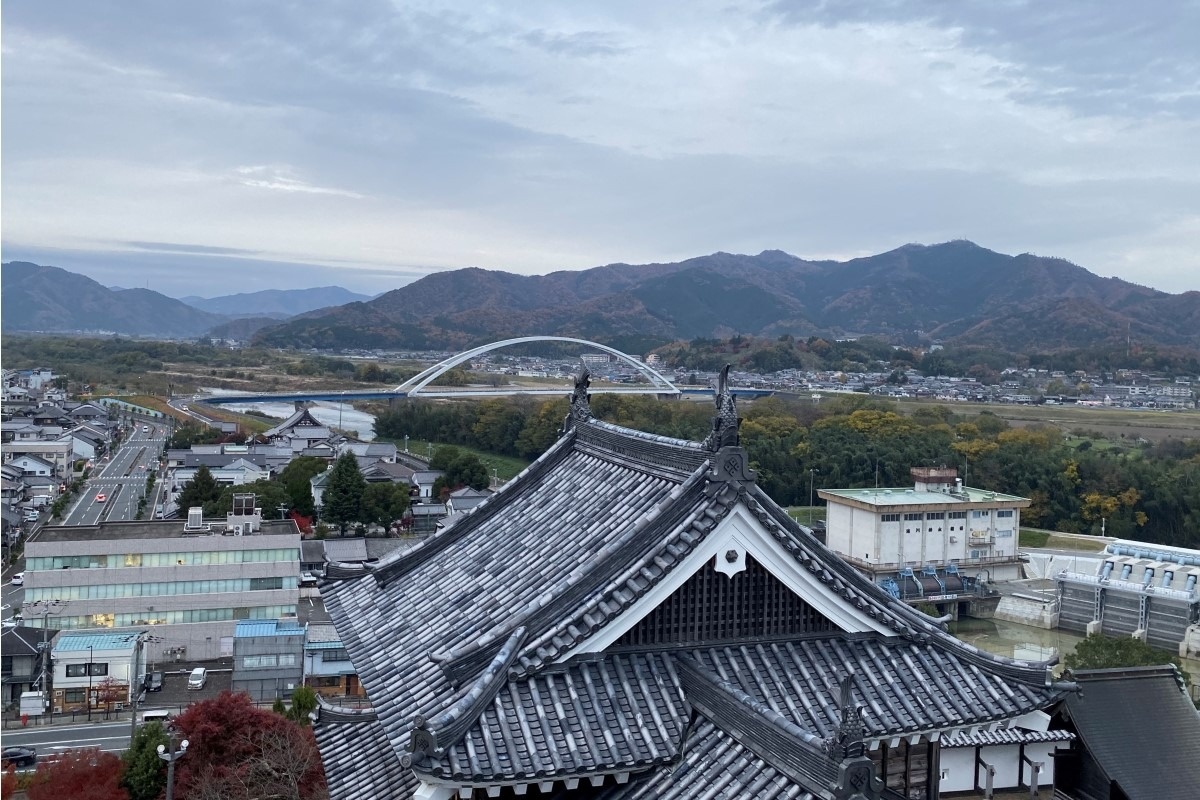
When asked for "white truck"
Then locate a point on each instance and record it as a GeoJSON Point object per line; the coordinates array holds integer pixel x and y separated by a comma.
{"type": "Point", "coordinates": [33, 704]}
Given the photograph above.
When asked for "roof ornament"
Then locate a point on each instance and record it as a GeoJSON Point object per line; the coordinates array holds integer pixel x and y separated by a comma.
{"type": "Point", "coordinates": [725, 422]}
{"type": "Point", "coordinates": [857, 779]}
{"type": "Point", "coordinates": [729, 461]}
{"type": "Point", "coordinates": [581, 409]}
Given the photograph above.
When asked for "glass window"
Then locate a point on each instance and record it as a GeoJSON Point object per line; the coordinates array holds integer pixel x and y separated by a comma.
{"type": "Point", "coordinates": [287, 660]}
{"type": "Point", "coordinates": [891, 517]}
{"type": "Point", "coordinates": [76, 670]}
{"type": "Point", "coordinates": [935, 515]}
{"type": "Point", "coordinates": [958, 515]}
{"type": "Point", "coordinates": [99, 668]}
{"type": "Point", "coordinates": [1004, 513]}
{"type": "Point", "coordinates": [912, 517]}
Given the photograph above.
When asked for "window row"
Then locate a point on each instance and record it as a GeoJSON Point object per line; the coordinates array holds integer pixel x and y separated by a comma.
{"type": "Point", "coordinates": [114, 590]}
{"type": "Point", "coordinates": [267, 661]}
{"type": "Point", "coordinates": [200, 558]}
{"type": "Point", "coordinates": [170, 617]}
{"type": "Point", "coordinates": [81, 670]}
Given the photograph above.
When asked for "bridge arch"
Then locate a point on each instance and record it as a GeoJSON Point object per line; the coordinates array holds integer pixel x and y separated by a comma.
{"type": "Point", "coordinates": [413, 386]}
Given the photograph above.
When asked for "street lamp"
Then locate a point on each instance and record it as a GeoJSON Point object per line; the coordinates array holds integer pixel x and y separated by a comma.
{"type": "Point", "coordinates": [89, 691]}
{"type": "Point", "coordinates": [406, 444]}
{"type": "Point", "coordinates": [171, 756]}
{"type": "Point", "coordinates": [811, 473]}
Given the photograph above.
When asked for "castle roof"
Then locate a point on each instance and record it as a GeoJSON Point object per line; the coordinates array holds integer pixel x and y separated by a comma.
{"type": "Point", "coordinates": [630, 602]}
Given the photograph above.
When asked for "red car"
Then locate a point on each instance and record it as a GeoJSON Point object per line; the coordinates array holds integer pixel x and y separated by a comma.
{"type": "Point", "coordinates": [100, 498]}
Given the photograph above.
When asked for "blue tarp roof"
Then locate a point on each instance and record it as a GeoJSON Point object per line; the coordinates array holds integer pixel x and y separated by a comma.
{"type": "Point", "coordinates": [74, 642]}
{"type": "Point", "coordinates": [267, 627]}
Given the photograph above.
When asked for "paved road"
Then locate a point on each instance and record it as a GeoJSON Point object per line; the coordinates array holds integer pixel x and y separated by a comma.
{"type": "Point", "coordinates": [111, 737]}
{"type": "Point", "coordinates": [121, 480]}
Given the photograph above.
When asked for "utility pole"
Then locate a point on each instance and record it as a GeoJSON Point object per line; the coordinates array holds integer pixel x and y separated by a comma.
{"type": "Point", "coordinates": [89, 691]}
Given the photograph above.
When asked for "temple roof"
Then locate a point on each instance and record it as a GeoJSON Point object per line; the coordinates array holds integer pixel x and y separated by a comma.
{"type": "Point", "coordinates": [488, 649]}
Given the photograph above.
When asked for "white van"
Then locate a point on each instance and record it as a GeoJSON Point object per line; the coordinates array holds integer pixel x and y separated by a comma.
{"type": "Point", "coordinates": [156, 715]}
{"type": "Point", "coordinates": [198, 678]}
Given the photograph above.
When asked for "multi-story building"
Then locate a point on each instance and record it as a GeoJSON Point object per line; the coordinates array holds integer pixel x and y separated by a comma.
{"type": "Point", "coordinates": [268, 658]}
{"type": "Point", "coordinates": [327, 667]}
{"type": "Point", "coordinates": [192, 585]}
{"type": "Point", "coordinates": [927, 538]}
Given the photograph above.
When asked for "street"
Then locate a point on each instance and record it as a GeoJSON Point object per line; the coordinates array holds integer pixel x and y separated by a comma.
{"type": "Point", "coordinates": [121, 480]}
{"type": "Point", "coordinates": [112, 737]}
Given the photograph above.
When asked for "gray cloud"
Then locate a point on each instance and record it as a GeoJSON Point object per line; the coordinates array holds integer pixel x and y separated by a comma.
{"type": "Point", "coordinates": [364, 138]}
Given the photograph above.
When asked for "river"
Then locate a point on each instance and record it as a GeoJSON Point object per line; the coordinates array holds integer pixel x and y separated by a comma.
{"type": "Point", "coordinates": [342, 416]}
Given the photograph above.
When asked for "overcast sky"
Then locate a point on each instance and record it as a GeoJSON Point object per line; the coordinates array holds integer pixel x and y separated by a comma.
{"type": "Point", "coordinates": [213, 147]}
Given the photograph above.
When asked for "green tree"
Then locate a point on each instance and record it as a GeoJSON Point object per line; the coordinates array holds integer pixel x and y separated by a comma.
{"type": "Point", "coordinates": [304, 702]}
{"type": "Point", "coordinates": [297, 479]}
{"type": "Point", "coordinates": [384, 502]}
{"type": "Point", "coordinates": [465, 470]}
{"type": "Point", "coordinates": [145, 774]}
{"type": "Point", "coordinates": [200, 490]}
{"type": "Point", "coordinates": [344, 492]}
{"type": "Point", "coordinates": [1105, 652]}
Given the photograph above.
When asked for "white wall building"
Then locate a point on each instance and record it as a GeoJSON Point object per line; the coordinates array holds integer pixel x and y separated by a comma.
{"type": "Point", "coordinates": [936, 522]}
{"type": "Point", "coordinates": [83, 662]}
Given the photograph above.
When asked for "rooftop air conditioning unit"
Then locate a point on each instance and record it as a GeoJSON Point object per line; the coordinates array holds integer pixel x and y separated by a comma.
{"type": "Point", "coordinates": [195, 518]}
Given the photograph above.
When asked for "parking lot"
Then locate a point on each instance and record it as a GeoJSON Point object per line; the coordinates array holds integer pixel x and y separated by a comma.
{"type": "Point", "coordinates": [176, 696]}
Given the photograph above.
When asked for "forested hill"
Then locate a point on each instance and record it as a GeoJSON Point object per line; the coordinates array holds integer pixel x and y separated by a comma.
{"type": "Point", "coordinates": [957, 292]}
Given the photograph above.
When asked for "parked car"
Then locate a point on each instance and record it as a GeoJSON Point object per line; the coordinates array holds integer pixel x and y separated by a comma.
{"type": "Point", "coordinates": [154, 682]}
{"type": "Point", "coordinates": [18, 579]}
{"type": "Point", "coordinates": [198, 678]}
{"type": "Point", "coordinates": [21, 756]}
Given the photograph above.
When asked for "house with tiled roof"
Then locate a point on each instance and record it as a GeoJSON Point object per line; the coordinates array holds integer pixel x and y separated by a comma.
{"type": "Point", "coordinates": [633, 617]}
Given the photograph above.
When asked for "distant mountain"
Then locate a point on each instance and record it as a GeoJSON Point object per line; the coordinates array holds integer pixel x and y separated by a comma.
{"type": "Point", "coordinates": [36, 298]}
{"type": "Point", "coordinates": [956, 291]}
{"type": "Point", "coordinates": [280, 303]}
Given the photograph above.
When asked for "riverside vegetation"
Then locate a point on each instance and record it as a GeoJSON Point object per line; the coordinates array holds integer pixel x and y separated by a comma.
{"type": "Point", "coordinates": [1145, 491]}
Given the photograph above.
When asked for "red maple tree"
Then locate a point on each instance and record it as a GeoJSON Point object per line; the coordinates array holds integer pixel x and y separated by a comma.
{"type": "Point", "coordinates": [86, 774]}
{"type": "Point", "coordinates": [237, 751]}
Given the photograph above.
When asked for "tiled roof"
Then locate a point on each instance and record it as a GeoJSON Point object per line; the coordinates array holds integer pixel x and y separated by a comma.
{"type": "Point", "coordinates": [1004, 736]}
{"type": "Point", "coordinates": [1140, 729]}
{"type": "Point", "coordinates": [360, 764]}
{"type": "Point", "coordinates": [621, 712]}
{"type": "Point", "coordinates": [602, 518]}
{"type": "Point", "coordinates": [906, 687]}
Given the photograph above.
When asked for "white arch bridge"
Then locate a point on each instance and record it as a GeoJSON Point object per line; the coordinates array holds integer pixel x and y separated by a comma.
{"type": "Point", "coordinates": [419, 384]}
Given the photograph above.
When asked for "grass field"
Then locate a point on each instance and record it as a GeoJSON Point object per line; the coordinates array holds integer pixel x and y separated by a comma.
{"type": "Point", "coordinates": [806, 515]}
{"type": "Point", "coordinates": [506, 467]}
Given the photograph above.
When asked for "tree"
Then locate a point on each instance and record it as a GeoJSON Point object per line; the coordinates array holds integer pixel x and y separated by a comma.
{"type": "Point", "coordinates": [1104, 652]}
{"type": "Point", "coordinates": [108, 691]}
{"type": "Point", "coordinates": [344, 492]}
{"type": "Point", "coordinates": [304, 702]}
{"type": "Point", "coordinates": [238, 752]}
{"type": "Point", "coordinates": [87, 774]}
{"type": "Point", "coordinates": [201, 489]}
{"type": "Point", "coordinates": [385, 502]}
{"type": "Point", "coordinates": [297, 477]}
{"type": "Point", "coordinates": [465, 470]}
{"type": "Point", "coordinates": [145, 773]}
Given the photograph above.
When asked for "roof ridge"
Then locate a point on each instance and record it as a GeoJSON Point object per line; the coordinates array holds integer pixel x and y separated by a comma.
{"type": "Point", "coordinates": [431, 736]}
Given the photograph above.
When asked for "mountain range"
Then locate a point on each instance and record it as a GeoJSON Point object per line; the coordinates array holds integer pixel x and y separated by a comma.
{"type": "Point", "coordinates": [50, 299]}
{"type": "Point", "coordinates": [956, 292]}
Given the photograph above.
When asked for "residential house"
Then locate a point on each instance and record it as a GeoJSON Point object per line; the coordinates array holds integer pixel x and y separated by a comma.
{"type": "Point", "coordinates": [86, 664]}
{"type": "Point", "coordinates": [327, 667]}
{"type": "Point", "coordinates": [465, 499]}
{"type": "Point", "coordinates": [21, 650]}
{"type": "Point", "coordinates": [422, 483]}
